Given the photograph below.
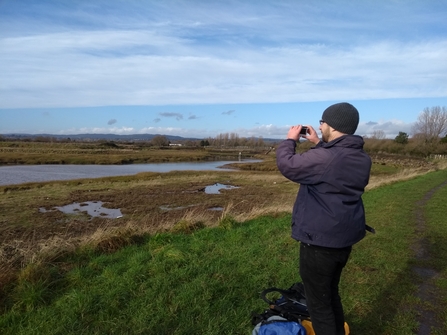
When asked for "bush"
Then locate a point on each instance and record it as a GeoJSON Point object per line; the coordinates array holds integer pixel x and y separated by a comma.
{"type": "Point", "coordinates": [402, 138]}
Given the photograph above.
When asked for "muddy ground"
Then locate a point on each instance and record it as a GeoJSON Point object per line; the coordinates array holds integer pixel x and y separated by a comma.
{"type": "Point", "coordinates": [149, 202]}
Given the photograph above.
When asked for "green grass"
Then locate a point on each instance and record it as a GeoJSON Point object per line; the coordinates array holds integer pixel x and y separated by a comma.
{"type": "Point", "coordinates": [208, 281]}
{"type": "Point", "coordinates": [203, 283]}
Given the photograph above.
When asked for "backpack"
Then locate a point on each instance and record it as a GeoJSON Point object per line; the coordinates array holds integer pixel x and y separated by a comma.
{"type": "Point", "coordinates": [276, 325]}
{"type": "Point", "coordinates": [284, 315]}
{"type": "Point", "coordinates": [289, 309]}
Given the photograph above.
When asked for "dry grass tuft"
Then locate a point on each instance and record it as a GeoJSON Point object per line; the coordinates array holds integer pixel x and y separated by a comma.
{"type": "Point", "coordinates": [406, 174]}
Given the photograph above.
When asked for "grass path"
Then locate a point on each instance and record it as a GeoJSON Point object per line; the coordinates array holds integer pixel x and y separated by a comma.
{"type": "Point", "coordinates": [429, 317]}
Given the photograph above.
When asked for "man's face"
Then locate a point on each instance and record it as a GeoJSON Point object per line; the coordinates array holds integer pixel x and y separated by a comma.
{"type": "Point", "coordinates": [325, 132]}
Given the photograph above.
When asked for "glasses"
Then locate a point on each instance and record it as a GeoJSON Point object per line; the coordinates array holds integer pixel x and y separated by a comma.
{"type": "Point", "coordinates": [321, 122]}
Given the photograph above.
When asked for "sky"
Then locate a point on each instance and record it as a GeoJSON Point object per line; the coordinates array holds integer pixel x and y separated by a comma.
{"type": "Point", "coordinates": [199, 68]}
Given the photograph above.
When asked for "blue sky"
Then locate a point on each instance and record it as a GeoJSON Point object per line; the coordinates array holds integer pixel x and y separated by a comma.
{"type": "Point", "coordinates": [200, 68]}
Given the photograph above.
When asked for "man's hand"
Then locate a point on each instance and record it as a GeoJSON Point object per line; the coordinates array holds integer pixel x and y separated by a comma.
{"type": "Point", "coordinates": [294, 134]}
{"type": "Point", "coordinates": [311, 135]}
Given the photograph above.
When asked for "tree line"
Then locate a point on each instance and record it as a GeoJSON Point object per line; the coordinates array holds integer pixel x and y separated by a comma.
{"type": "Point", "coordinates": [223, 140]}
{"type": "Point", "coordinates": [429, 136]}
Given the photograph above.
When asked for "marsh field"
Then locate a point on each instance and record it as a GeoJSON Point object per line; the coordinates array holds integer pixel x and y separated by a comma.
{"type": "Point", "coordinates": [42, 247]}
{"type": "Point", "coordinates": [149, 202]}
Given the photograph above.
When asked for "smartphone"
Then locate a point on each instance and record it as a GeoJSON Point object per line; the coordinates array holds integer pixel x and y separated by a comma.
{"type": "Point", "coordinates": [303, 130]}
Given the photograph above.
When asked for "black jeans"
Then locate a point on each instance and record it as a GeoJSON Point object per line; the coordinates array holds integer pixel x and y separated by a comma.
{"type": "Point", "coordinates": [320, 271]}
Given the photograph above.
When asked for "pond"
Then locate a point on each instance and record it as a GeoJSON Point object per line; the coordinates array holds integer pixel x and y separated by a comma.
{"type": "Point", "coordinates": [19, 174]}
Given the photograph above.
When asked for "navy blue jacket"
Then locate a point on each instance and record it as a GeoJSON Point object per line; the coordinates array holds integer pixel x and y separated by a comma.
{"type": "Point", "coordinates": [328, 210]}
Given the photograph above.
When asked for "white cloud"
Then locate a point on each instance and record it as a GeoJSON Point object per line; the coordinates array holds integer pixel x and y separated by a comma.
{"type": "Point", "coordinates": [98, 130]}
{"type": "Point", "coordinates": [390, 128]}
{"type": "Point", "coordinates": [189, 54]}
{"type": "Point", "coordinates": [265, 131]}
{"type": "Point", "coordinates": [66, 76]}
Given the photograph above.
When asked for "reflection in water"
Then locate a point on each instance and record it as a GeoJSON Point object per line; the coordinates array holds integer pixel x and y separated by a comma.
{"type": "Point", "coordinates": [217, 209]}
{"type": "Point", "coordinates": [214, 189]}
{"type": "Point", "coordinates": [93, 208]}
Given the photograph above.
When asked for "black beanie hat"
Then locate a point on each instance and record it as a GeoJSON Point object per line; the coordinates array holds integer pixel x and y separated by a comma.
{"type": "Point", "coordinates": [343, 117]}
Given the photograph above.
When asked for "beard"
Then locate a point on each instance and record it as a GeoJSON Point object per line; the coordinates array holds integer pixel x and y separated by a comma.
{"type": "Point", "coordinates": [325, 134]}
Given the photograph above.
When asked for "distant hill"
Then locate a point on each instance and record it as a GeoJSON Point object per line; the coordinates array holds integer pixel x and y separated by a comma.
{"type": "Point", "coordinates": [97, 137]}
{"type": "Point", "coordinates": [110, 137]}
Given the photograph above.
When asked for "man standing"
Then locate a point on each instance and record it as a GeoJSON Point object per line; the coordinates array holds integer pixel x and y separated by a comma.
{"type": "Point", "coordinates": [328, 216]}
